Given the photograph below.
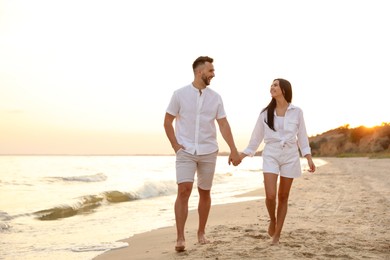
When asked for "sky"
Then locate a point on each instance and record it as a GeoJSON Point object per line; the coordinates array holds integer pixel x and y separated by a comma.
{"type": "Point", "coordinates": [95, 77]}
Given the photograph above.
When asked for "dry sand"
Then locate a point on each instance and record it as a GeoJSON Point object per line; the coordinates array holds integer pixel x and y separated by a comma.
{"type": "Point", "coordinates": [342, 211]}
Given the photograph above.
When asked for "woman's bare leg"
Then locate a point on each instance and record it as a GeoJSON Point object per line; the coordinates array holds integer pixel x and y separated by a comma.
{"type": "Point", "coordinates": [283, 194]}
{"type": "Point", "coordinates": [270, 186]}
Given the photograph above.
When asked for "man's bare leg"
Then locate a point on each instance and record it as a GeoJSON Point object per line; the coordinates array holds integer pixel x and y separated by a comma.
{"type": "Point", "coordinates": [203, 211]}
{"type": "Point", "coordinates": [181, 213]}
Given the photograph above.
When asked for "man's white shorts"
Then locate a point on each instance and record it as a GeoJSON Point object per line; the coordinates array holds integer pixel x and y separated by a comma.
{"type": "Point", "coordinates": [204, 165]}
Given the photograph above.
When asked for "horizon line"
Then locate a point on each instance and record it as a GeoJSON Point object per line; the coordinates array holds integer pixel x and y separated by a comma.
{"type": "Point", "coordinates": [102, 154]}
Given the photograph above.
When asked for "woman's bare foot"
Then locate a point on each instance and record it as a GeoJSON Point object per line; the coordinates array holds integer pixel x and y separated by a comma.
{"type": "Point", "coordinates": [202, 239]}
{"type": "Point", "coordinates": [180, 245]}
{"type": "Point", "coordinates": [275, 240]}
{"type": "Point", "coordinates": [271, 228]}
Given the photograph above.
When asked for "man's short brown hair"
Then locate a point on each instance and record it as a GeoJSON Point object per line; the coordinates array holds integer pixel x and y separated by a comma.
{"type": "Point", "coordinates": [200, 61]}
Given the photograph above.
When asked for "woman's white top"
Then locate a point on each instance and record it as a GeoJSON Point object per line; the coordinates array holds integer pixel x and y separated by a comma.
{"type": "Point", "coordinates": [290, 130]}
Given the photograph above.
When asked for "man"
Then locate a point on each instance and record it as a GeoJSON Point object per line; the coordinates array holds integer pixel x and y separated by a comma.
{"type": "Point", "coordinates": [194, 140]}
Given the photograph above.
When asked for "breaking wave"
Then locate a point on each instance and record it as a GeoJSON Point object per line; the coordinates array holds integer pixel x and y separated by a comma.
{"type": "Point", "coordinates": [83, 178]}
{"type": "Point", "coordinates": [87, 204]}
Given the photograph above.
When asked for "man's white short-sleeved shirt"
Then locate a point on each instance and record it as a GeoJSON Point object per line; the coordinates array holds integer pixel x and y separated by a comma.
{"type": "Point", "coordinates": [195, 114]}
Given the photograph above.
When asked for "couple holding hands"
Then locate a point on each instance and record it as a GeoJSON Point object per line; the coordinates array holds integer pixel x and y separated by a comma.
{"type": "Point", "coordinates": [281, 126]}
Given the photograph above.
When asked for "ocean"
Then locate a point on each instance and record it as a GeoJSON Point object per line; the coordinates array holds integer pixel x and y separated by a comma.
{"type": "Point", "coordinates": [77, 207]}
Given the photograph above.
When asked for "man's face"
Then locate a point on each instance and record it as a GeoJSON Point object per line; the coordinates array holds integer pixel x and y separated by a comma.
{"type": "Point", "coordinates": [207, 73]}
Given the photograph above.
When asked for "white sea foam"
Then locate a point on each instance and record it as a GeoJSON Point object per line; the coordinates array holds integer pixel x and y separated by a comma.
{"type": "Point", "coordinates": [99, 247]}
{"type": "Point", "coordinates": [86, 178]}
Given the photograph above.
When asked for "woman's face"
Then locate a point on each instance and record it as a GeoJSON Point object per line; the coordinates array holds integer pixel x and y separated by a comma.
{"type": "Point", "coordinates": [276, 91]}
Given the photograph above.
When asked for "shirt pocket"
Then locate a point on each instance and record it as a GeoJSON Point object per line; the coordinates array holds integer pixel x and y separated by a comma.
{"type": "Point", "coordinates": [292, 126]}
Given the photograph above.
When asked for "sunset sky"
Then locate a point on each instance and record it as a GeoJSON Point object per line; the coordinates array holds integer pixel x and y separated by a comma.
{"type": "Point", "coordinates": [95, 77]}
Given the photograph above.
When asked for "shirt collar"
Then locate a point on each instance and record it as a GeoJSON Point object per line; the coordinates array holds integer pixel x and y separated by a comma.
{"type": "Point", "coordinates": [291, 106]}
{"type": "Point", "coordinates": [197, 90]}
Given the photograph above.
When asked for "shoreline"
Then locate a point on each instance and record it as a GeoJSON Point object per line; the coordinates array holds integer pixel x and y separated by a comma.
{"type": "Point", "coordinates": [341, 211]}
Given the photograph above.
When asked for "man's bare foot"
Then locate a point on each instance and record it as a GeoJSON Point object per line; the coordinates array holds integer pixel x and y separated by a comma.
{"type": "Point", "coordinates": [202, 239]}
{"type": "Point", "coordinates": [271, 228]}
{"type": "Point", "coordinates": [180, 245]}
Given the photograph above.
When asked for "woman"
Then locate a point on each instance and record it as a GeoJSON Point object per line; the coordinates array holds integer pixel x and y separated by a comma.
{"type": "Point", "coordinates": [283, 129]}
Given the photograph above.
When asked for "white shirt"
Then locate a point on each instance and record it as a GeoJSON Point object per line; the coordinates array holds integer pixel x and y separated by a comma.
{"type": "Point", "coordinates": [293, 132]}
{"type": "Point", "coordinates": [195, 114]}
{"type": "Point", "coordinates": [279, 120]}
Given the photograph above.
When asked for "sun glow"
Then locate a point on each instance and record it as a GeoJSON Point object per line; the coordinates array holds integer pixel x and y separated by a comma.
{"type": "Point", "coordinates": [90, 76]}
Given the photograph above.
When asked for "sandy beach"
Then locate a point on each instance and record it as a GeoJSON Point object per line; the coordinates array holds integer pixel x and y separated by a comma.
{"type": "Point", "coordinates": [341, 211]}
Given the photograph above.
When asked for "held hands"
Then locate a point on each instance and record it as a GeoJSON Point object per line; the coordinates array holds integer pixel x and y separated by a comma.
{"type": "Point", "coordinates": [234, 158]}
{"type": "Point", "coordinates": [237, 161]}
{"type": "Point", "coordinates": [242, 156]}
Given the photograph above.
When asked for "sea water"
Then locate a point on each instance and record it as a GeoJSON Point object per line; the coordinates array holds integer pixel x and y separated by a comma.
{"type": "Point", "coordinates": [77, 207]}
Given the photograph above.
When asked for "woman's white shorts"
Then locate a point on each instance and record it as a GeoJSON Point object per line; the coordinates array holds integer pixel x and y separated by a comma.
{"type": "Point", "coordinates": [282, 159]}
